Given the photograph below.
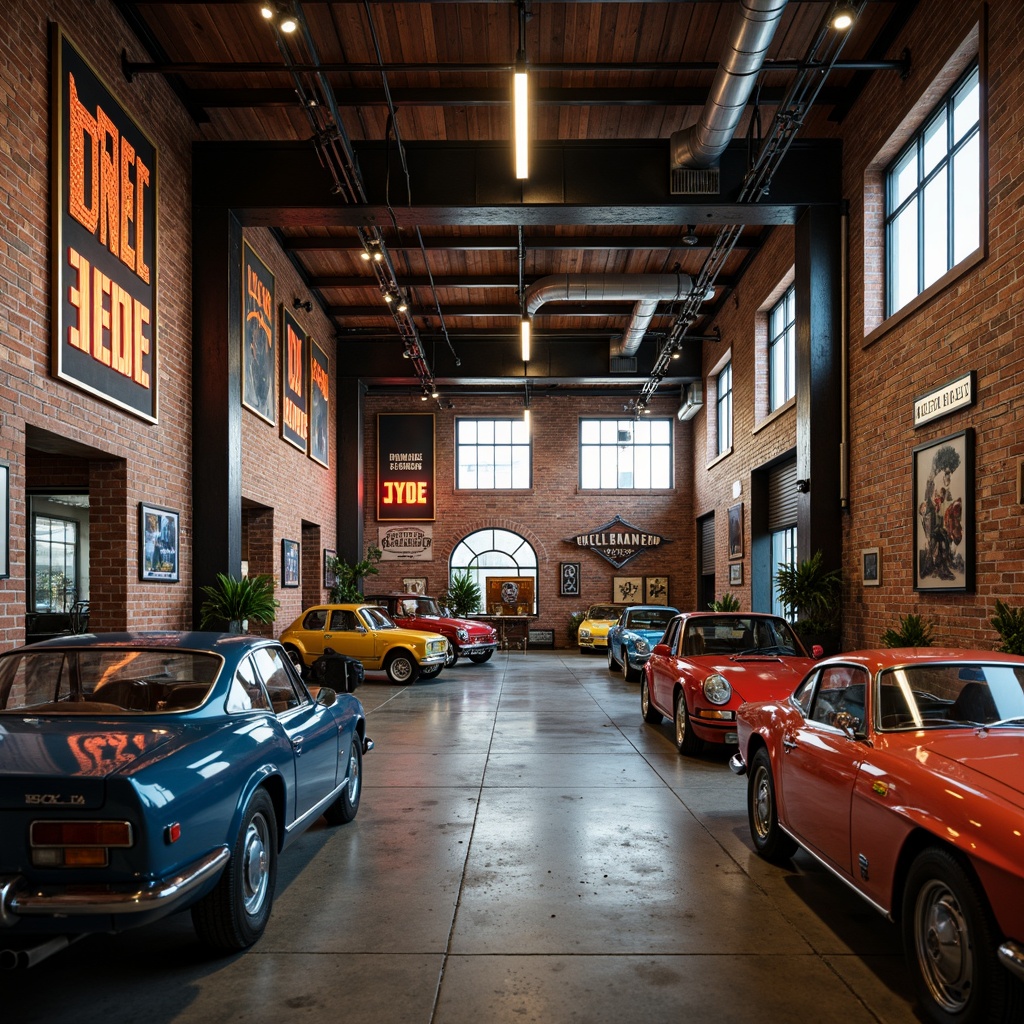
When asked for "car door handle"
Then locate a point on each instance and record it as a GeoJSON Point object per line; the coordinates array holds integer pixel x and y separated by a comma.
{"type": "Point", "coordinates": [297, 745]}
{"type": "Point", "coordinates": [788, 745]}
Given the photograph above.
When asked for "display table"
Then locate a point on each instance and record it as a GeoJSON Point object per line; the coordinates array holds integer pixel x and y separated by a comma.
{"type": "Point", "coordinates": [513, 630]}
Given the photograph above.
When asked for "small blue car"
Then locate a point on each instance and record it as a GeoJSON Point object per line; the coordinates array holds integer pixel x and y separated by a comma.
{"type": "Point", "coordinates": [145, 773]}
{"type": "Point", "coordinates": [631, 639]}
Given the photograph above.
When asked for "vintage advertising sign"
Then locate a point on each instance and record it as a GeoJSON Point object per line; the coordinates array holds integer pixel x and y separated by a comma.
{"type": "Point", "coordinates": [406, 543]}
{"type": "Point", "coordinates": [320, 404]}
{"type": "Point", "coordinates": [617, 541]}
{"type": "Point", "coordinates": [957, 394]}
{"type": "Point", "coordinates": [104, 177]}
{"type": "Point", "coordinates": [259, 339]}
{"type": "Point", "coordinates": [405, 466]}
{"type": "Point", "coordinates": [294, 386]}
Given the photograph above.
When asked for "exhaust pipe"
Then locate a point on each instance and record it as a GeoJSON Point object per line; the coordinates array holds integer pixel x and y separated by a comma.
{"type": "Point", "coordinates": [23, 959]}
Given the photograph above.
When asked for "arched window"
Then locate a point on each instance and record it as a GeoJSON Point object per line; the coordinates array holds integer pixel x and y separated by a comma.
{"type": "Point", "coordinates": [494, 553]}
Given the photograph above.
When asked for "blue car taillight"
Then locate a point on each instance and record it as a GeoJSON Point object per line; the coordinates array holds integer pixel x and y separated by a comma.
{"type": "Point", "coordinates": [56, 844]}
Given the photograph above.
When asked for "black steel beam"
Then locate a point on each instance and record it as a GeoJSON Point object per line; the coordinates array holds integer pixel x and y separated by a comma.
{"type": "Point", "coordinates": [510, 243]}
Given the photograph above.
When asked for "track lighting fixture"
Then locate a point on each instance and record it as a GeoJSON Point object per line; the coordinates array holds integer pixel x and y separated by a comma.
{"type": "Point", "coordinates": [280, 15]}
{"type": "Point", "coordinates": [843, 16]}
{"type": "Point", "coordinates": [297, 303]}
{"type": "Point", "coordinates": [690, 238]}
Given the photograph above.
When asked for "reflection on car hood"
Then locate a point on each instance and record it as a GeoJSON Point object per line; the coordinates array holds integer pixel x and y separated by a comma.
{"type": "Point", "coordinates": [995, 754]}
{"type": "Point", "coordinates": [760, 677]}
{"type": "Point", "coordinates": [472, 628]}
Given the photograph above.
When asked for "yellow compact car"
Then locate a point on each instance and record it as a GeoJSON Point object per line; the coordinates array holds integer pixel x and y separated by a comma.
{"type": "Point", "coordinates": [369, 634]}
{"type": "Point", "coordinates": [593, 631]}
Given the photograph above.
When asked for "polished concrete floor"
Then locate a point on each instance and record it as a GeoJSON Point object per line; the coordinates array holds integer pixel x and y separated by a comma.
{"type": "Point", "coordinates": [527, 850]}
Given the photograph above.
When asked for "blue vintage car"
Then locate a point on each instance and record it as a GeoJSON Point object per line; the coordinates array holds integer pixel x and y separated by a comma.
{"type": "Point", "coordinates": [632, 638]}
{"type": "Point", "coordinates": [143, 773]}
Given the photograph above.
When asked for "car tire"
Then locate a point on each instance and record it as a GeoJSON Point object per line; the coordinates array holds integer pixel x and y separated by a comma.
{"type": "Point", "coordinates": [452, 656]}
{"type": "Point", "coordinates": [629, 674]}
{"type": "Point", "coordinates": [234, 914]}
{"type": "Point", "coordinates": [401, 668]}
{"type": "Point", "coordinates": [481, 657]}
{"type": "Point", "coordinates": [652, 716]}
{"type": "Point", "coordinates": [431, 671]}
{"type": "Point", "coordinates": [344, 809]}
{"type": "Point", "coordinates": [613, 663]}
{"type": "Point", "coordinates": [770, 841]}
{"type": "Point", "coordinates": [950, 944]}
{"type": "Point", "coordinates": [686, 742]}
{"type": "Point", "coordinates": [295, 657]}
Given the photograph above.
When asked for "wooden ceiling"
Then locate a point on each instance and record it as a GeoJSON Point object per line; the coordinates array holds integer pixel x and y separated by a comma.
{"type": "Point", "coordinates": [422, 92]}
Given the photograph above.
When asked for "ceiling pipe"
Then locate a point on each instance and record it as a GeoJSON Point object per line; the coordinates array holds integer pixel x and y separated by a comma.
{"type": "Point", "coordinates": [753, 27]}
{"type": "Point", "coordinates": [647, 290]}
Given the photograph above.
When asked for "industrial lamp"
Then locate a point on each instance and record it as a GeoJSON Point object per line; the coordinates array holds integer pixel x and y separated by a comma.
{"type": "Point", "coordinates": [843, 16]}
{"type": "Point", "coordinates": [279, 13]}
{"type": "Point", "coordinates": [524, 337]}
{"type": "Point", "coordinates": [520, 102]}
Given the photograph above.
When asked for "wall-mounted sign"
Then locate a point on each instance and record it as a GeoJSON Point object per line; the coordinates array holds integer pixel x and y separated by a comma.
{"type": "Point", "coordinates": [104, 240]}
{"type": "Point", "coordinates": [957, 394]}
{"type": "Point", "coordinates": [569, 573]}
{"type": "Point", "coordinates": [294, 383]}
{"type": "Point", "coordinates": [259, 337]}
{"type": "Point", "coordinates": [405, 466]}
{"type": "Point", "coordinates": [320, 404]}
{"type": "Point", "coordinates": [406, 543]}
{"type": "Point", "coordinates": [618, 541]}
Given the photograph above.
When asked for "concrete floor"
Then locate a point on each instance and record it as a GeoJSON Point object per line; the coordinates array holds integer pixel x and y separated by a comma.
{"type": "Point", "coordinates": [527, 850]}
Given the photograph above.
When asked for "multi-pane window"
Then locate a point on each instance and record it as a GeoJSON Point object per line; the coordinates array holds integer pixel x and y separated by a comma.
{"type": "Point", "coordinates": [723, 408]}
{"type": "Point", "coordinates": [492, 454]}
{"type": "Point", "coordinates": [782, 351]}
{"type": "Point", "coordinates": [487, 553]}
{"type": "Point", "coordinates": [933, 196]}
{"type": "Point", "coordinates": [55, 557]}
{"type": "Point", "coordinates": [783, 553]}
{"type": "Point", "coordinates": [635, 454]}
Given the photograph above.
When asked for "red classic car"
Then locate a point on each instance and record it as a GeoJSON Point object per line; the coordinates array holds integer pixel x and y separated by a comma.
{"type": "Point", "coordinates": [900, 771]}
{"type": "Point", "coordinates": [709, 663]}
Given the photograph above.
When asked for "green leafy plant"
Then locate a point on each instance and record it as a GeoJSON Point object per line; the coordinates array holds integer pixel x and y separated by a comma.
{"type": "Point", "coordinates": [463, 596]}
{"type": "Point", "coordinates": [913, 632]}
{"type": "Point", "coordinates": [726, 603]}
{"type": "Point", "coordinates": [347, 577]}
{"type": "Point", "coordinates": [575, 618]}
{"type": "Point", "coordinates": [1009, 624]}
{"type": "Point", "coordinates": [811, 593]}
{"type": "Point", "coordinates": [234, 603]}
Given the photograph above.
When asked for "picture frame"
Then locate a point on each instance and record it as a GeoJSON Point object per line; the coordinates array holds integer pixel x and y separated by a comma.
{"type": "Point", "coordinates": [414, 584]}
{"type": "Point", "coordinates": [736, 574]}
{"type": "Point", "coordinates": [656, 590]}
{"type": "Point", "coordinates": [871, 567]}
{"type": "Point", "coordinates": [736, 530]}
{"type": "Point", "coordinates": [259, 337]}
{"type": "Point", "coordinates": [330, 576]}
{"type": "Point", "coordinates": [943, 513]}
{"type": "Point", "coordinates": [289, 563]}
{"type": "Point", "coordinates": [294, 382]}
{"type": "Point", "coordinates": [627, 589]}
{"type": "Point", "coordinates": [319, 404]}
{"type": "Point", "coordinates": [569, 577]}
{"type": "Point", "coordinates": [5, 520]}
{"type": "Point", "coordinates": [158, 543]}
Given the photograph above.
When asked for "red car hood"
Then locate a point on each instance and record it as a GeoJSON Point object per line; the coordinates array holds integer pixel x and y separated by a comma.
{"type": "Point", "coordinates": [994, 754]}
{"type": "Point", "coordinates": [758, 676]}
{"type": "Point", "coordinates": [433, 621]}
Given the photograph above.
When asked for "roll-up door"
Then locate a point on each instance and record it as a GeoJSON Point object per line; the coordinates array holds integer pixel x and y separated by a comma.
{"type": "Point", "coordinates": [782, 496]}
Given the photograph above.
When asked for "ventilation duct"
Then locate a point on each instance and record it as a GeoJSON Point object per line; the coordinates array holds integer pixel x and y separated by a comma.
{"type": "Point", "coordinates": [753, 27]}
{"type": "Point", "coordinates": [693, 400]}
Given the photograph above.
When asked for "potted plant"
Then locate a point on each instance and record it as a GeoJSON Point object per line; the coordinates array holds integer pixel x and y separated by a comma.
{"type": "Point", "coordinates": [235, 603]}
{"type": "Point", "coordinates": [1009, 624]}
{"type": "Point", "coordinates": [347, 577]}
{"type": "Point", "coordinates": [463, 596]}
{"type": "Point", "coordinates": [913, 632]}
{"type": "Point", "coordinates": [812, 595]}
{"type": "Point", "coordinates": [575, 618]}
{"type": "Point", "coordinates": [726, 603]}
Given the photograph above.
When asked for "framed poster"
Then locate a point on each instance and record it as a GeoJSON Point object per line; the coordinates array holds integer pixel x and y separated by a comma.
{"type": "Point", "coordinates": [289, 563]}
{"type": "Point", "coordinates": [158, 544]}
{"type": "Point", "coordinates": [330, 576]}
{"type": "Point", "coordinates": [259, 337]}
{"type": "Point", "coordinates": [405, 466]}
{"type": "Point", "coordinates": [415, 584]}
{"type": "Point", "coordinates": [736, 574]}
{"type": "Point", "coordinates": [569, 574]}
{"type": "Point", "coordinates": [871, 567]}
{"type": "Point", "coordinates": [943, 513]}
{"type": "Point", "coordinates": [319, 404]}
{"type": "Point", "coordinates": [736, 530]}
{"type": "Point", "coordinates": [294, 386]}
{"type": "Point", "coordinates": [627, 589]}
{"type": "Point", "coordinates": [509, 595]}
{"type": "Point", "coordinates": [656, 590]}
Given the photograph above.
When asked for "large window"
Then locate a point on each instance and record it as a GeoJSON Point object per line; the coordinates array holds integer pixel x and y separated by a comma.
{"type": "Point", "coordinates": [492, 454]}
{"type": "Point", "coordinates": [783, 553]}
{"type": "Point", "coordinates": [55, 558]}
{"type": "Point", "coordinates": [933, 196]}
{"type": "Point", "coordinates": [494, 553]}
{"type": "Point", "coordinates": [723, 408]}
{"type": "Point", "coordinates": [782, 351]}
{"type": "Point", "coordinates": [630, 454]}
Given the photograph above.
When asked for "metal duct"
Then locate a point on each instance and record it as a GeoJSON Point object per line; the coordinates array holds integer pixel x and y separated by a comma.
{"type": "Point", "coordinates": [753, 26]}
{"type": "Point", "coordinates": [647, 290]}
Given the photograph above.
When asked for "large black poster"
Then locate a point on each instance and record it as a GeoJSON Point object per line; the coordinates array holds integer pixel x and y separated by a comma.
{"type": "Point", "coordinates": [405, 466]}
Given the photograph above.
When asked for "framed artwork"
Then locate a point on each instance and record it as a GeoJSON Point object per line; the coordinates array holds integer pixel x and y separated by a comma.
{"type": "Point", "coordinates": [158, 544]}
{"type": "Point", "coordinates": [656, 590]}
{"type": "Point", "coordinates": [943, 513]}
{"type": "Point", "coordinates": [294, 387]}
{"type": "Point", "coordinates": [319, 404]}
{"type": "Point", "coordinates": [289, 563]}
{"type": "Point", "coordinates": [736, 530]}
{"type": "Point", "coordinates": [871, 567]}
{"type": "Point", "coordinates": [736, 574]}
{"type": "Point", "coordinates": [330, 576]}
{"type": "Point", "coordinates": [627, 589]}
{"type": "Point", "coordinates": [509, 595]}
{"type": "Point", "coordinates": [259, 337]}
{"type": "Point", "coordinates": [415, 584]}
{"type": "Point", "coordinates": [569, 574]}
{"type": "Point", "coordinates": [5, 520]}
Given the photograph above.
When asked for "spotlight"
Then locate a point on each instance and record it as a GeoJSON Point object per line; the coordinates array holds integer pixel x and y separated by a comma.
{"type": "Point", "coordinates": [843, 16]}
{"type": "Point", "coordinates": [297, 303]}
{"type": "Point", "coordinates": [435, 393]}
{"type": "Point", "coordinates": [364, 255]}
{"type": "Point", "coordinates": [389, 298]}
{"type": "Point", "coordinates": [690, 238]}
{"type": "Point", "coordinates": [423, 397]}
{"type": "Point", "coordinates": [403, 306]}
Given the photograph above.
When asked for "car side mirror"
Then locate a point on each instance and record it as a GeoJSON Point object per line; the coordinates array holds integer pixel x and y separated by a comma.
{"type": "Point", "coordinates": [847, 722]}
{"type": "Point", "coordinates": [817, 651]}
{"type": "Point", "coordinates": [326, 696]}
{"type": "Point", "coordinates": [662, 649]}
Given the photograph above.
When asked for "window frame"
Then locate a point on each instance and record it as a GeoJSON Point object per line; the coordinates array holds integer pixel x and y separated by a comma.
{"type": "Point", "coordinates": [493, 466]}
{"type": "Point", "coordinates": [723, 410]}
{"type": "Point", "coordinates": [786, 338]}
{"type": "Point", "coordinates": [651, 447]}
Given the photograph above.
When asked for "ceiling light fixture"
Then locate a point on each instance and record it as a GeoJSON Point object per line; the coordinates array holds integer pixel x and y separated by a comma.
{"type": "Point", "coordinates": [280, 15]}
{"type": "Point", "coordinates": [690, 238]}
{"type": "Point", "coordinates": [524, 335]}
{"type": "Point", "coordinates": [843, 16]}
{"type": "Point", "coordinates": [520, 102]}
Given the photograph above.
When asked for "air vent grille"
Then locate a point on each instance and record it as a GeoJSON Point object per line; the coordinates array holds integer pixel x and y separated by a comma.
{"type": "Point", "coordinates": [622, 364]}
{"type": "Point", "coordinates": [687, 181]}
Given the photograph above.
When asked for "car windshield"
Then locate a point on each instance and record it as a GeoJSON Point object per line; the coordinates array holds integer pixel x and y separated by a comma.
{"type": "Point", "coordinates": [420, 606]}
{"type": "Point", "coordinates": [938, 696]}
{"type": "Point", "coordinates": [649, 618]}
{"type": "Point", "coordinates": [738, 634]}
{"type": "Point", "coordinates": [100, 680]}
{"type": "Point", "coordinates": [376, 618]}
{"type": "Point", "coordinates": [604, 611]}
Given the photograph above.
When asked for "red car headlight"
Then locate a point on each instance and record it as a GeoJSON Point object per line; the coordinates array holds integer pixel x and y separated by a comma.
{"type": "Point", "coordinates": [717, 689]}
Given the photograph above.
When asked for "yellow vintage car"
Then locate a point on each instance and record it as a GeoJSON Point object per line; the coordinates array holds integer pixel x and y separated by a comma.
{"type": "Point", "coordinates": [593, 631]}
{"type": "Point", "coordinates": [367, 633]}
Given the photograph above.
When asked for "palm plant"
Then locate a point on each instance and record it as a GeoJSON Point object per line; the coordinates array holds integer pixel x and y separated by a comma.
{"type": "Point", "coordinates": [811, 593]}
{"type": "Point", "coordinates": [1009, 624]}
{"type": "Point", "coordinates": [463, 596]}
{"type": "Point", "coordinates": [913, 632]}
{"type": "Point", "coordinates": [726, 603]}
{"type": "Point", "coordinates": [347, 577]}
{"type": "Point", "coordinates": [235, 603]}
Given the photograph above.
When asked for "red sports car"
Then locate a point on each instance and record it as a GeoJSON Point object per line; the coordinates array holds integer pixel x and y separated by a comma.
{"type": "Point", "coordinates": [900, 771]}
{"type": "Point", "coordinates": [709, 663]}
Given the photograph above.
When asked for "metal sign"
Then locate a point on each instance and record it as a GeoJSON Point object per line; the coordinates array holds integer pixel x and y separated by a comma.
{"type": "Point", "coordinates": [618, 542]}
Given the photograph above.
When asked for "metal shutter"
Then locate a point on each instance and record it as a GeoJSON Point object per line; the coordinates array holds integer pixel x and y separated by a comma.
{"type": "Point", "coordinates": [707, 546]}
{"type": "Point", "coordinates": [782, 496]}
